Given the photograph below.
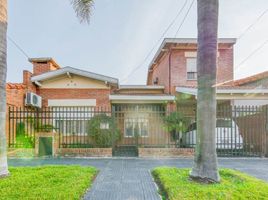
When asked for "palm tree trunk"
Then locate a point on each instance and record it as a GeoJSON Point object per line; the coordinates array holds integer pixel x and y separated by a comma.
{"type": "Point", "coordinates": [205, 167]}
{"type": "Point", "coordinates": [3, 70]}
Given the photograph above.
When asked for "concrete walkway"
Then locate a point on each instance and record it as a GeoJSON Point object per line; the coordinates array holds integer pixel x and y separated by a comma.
{"type": "Point", "coordinates": [130, 179]}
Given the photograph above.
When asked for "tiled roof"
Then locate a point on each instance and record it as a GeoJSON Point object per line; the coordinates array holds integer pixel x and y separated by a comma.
{"type": "Point", "coordinates": [242, 81]}
{"type": "Point", "coordinates": [223, 87]}
{"type": "Point", "coordinates": [15, 86]}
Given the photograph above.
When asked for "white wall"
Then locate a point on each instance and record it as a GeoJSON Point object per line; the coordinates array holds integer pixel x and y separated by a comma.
{"type": "Point", "coordinates": [73, 82]}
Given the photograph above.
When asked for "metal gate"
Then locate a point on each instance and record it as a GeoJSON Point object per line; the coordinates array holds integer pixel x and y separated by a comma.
{"type": "Point", "coordinates": [45, 146]}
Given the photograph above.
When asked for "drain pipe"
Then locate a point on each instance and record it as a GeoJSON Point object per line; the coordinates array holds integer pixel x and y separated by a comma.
{"type": "Point", "coordinates": [169, 71]}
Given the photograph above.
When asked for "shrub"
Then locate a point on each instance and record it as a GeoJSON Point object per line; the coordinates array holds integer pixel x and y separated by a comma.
{"type": "Point", "coordinates": [103, 130]}
{"type": "Point", "coordinates": [23, 140]}
{"type": "Point", "coordinates": [175, 123]}
{"type": "Point", "coordinates": [47, 128]}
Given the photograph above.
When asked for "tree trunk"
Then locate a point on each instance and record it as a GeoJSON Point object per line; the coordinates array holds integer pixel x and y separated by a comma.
{"type": "Point", "coordinates": [205, 167]}
{"type": "Point", "coordinates": [3, 70]}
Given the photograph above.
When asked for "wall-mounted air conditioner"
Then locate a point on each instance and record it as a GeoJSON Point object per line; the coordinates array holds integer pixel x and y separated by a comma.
{"type": "Point", "coordinates": [33, 100]}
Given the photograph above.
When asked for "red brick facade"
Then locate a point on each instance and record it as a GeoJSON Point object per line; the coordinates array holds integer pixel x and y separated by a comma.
{"type": "Point", "coordinates": [175, 60]}
{"type": "Point", "coordinates": [16, 92]}
{"type": "Point", "coordinates": [42, 65]}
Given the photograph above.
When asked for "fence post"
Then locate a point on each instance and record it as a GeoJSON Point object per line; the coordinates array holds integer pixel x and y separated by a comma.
{"type": "Point", "coordinates": [265, 135]}
{"type": "Point", "coordinates": [8, 127]}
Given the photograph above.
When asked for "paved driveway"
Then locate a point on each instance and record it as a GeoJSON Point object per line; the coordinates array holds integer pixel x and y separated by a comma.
{"type": "Point", "coordinates": [130, 179]}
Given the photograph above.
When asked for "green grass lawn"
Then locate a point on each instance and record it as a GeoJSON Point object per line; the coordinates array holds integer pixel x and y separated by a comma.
{"type": "Point", "coordinates": [174, 183]}
{"type": "Point", "coordinates": [47, 182]}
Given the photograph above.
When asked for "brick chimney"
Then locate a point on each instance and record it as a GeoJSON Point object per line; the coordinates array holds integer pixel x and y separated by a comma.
{"type": "Point", "coordinates": [42, 65]}
{"type": "Point", "coordinates": [30, 87]}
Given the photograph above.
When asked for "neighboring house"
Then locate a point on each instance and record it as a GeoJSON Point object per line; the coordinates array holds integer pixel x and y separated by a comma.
{"type": "Point", "coordinates": [64, 86]}
{"type": "Point", "coordinates": [174, 67]}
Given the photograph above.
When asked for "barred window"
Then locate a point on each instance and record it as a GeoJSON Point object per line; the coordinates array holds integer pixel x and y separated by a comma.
{"type": "Point", "coordinates": [136, 127]}
{"type": "Point", "coordinates": [72, 127]}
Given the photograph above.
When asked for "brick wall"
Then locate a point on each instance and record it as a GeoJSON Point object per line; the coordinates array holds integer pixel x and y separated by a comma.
{"type": "Point", "coordinates": [101, 95]}
{"type": "Point", "coordinates": [15, 97]}
{"type": "Point", "coordinates": [178, 74]}
{"type": "Point", "coordinates": [166, 152]}
{"type": "Point", "coordinates": [84, 152]}
{"type": "Point", "coordinates": [15, 92]}
{"type": "Point", "coordinates": [30, 87]}
{"type": "Point", "coordinates": [161, 71]}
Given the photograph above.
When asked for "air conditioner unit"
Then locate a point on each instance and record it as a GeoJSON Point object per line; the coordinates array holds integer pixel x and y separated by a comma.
{"type": "Point", "coordinates": [33, 100]}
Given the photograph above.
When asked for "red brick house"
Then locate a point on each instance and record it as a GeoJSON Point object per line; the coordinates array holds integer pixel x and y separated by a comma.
{"type": "Point", "coordinates": [174, 67]}
{"type": "Point", "coordinates": [72, 89]}
{"type": "Point", "coordinates": [62, 86]}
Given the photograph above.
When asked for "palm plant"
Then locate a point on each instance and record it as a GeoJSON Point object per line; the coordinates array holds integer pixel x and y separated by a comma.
{"type": "Point", "coordinates": [205, 167]}
{"type": "Point", "coordinates": [83, 11]}
{"type": "Point", "coordinates": [176, 124]}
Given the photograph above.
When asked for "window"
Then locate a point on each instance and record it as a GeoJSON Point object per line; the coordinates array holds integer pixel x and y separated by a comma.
{"type": "Point", "coordinates": [191, 69]}
{"type": "Point", "coordinates": [104, 125]}
{"type": "Point", "coordinates": [136, 127]}
{"type": "Point", "coordinates": [72, 127]}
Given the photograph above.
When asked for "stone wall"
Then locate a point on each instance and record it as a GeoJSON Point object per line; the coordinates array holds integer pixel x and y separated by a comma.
{"type": "Point", "coordinates": [166, 152]}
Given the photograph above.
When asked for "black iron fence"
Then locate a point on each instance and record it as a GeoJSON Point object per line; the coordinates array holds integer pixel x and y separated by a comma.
{"type": "Point", "coordinates": [240, 131]}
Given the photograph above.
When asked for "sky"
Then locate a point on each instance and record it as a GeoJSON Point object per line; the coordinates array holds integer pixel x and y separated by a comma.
{"type": "Point", "coordinates": [121, 33]}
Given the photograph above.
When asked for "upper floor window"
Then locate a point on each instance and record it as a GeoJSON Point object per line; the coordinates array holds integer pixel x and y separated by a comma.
{"type": "Point", "coordinates": [191, 68]}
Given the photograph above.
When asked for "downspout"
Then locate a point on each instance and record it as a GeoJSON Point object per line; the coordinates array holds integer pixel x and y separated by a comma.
{"type": "Point", "coordinates": [169, 71]}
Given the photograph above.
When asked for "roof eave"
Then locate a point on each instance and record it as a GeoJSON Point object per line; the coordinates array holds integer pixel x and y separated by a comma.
{"type": "Point", "coordinates": [71, 70]}
{"type": "Point", "coordinates": [185, 41]}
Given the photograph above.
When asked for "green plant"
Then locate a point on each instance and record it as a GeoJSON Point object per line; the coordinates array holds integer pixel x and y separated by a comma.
{"type": "Point", "coordinates": [22, 139]}
{"type": "Point", "coordinates": [20, 129]}
{"type": "Point", "coordinates": [102, 129]}
{"type": "Point", "coordinates": [174, 184]}
{"type": "Point", "coordinates": [47, 127]}
{"type": "Point", "coordinates": [47, 182]}
{"type": "Point", "coordinates": [175, 123]}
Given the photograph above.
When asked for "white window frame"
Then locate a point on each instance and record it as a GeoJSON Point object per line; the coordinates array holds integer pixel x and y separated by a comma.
{"type": "Point", "coordinates": [135, 121]}
{"type": "Point", "coordinates": [191, 71]}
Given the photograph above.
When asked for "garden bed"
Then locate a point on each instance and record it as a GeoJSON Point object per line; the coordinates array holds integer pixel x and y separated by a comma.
{"type": "Point", "coordinates": [48, 182]}
{"type": "Point", "coordinates": [174, 184]}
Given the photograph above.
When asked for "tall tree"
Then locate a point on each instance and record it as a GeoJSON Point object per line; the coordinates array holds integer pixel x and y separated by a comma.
{"type": "Point", "coordinates": [205, 167]}
{"type": "Point", "coordinates": [3, 70]}
{"type": "Point", "coordinates": [83, 11]}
